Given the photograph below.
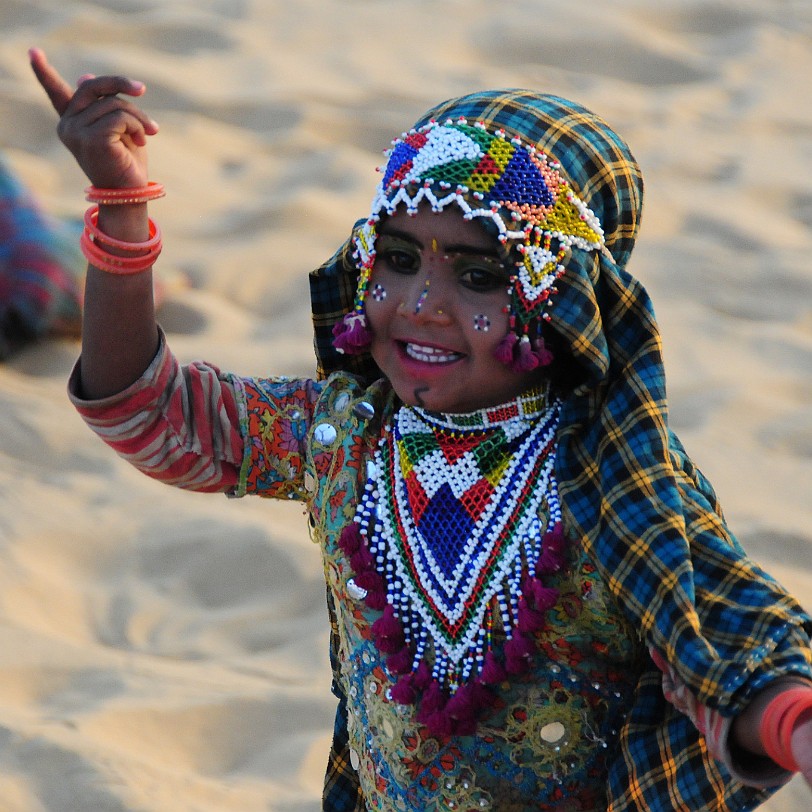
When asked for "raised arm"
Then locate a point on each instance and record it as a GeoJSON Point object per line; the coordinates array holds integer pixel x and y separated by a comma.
{"type": "Point", "coordinates": [107, 135]}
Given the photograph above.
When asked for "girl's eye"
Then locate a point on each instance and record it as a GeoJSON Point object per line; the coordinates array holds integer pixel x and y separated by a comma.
{"type": "Point", "coordinates": [399, 255]}
{"type": "Point", "coordinates": [482, 276]}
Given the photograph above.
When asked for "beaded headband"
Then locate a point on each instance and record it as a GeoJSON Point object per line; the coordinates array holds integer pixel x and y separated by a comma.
{"type": "Point", "coordinates": [487, 175]}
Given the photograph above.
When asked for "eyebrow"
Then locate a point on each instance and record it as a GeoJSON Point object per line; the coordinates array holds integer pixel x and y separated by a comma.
{"type": "Point", "coordinates": [456, 248]}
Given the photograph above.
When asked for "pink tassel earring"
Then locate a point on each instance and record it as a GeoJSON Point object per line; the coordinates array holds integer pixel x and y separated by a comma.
{"type": "Point", "coordinates": [351, 335]}
{"type": "Point", "coordinates": [522, 354]}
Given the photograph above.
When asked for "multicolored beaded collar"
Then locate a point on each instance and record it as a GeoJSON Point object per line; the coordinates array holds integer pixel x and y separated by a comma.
{"type": "Point", "coordinates": [458, 524]}
{"type": "Point", "coordinates": [515, 186]}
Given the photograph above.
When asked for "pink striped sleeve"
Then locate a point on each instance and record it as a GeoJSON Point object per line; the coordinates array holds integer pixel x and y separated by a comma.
{"type": "Point", "coordinates": [179, 425]}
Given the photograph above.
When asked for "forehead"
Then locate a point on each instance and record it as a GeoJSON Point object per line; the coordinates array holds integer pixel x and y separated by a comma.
{"type": "Point", "coordinates": [448, 227]}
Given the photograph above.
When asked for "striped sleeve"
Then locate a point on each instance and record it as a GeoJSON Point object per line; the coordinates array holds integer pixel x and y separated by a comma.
{"type": "Point", "coordinates": [759, 772]}
{"type": "Point", "coordinates": [179, 425]}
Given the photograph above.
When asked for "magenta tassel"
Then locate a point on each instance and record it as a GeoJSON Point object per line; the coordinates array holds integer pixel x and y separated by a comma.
{"type": "Point", "coordinates": [544, 356]}
{"type": "Point", "coordinates": [388, 645]}
{"type": "Point", "coordinates": [529, 620]}
{"type": "Point", "coordinates": [525, 360]}
{"type": "Point", "coordinates": [403, 691]}
{"type": "Point", "coordinates": [432, 701]}
{"type": "Point", "coordinates": [504, 350]}
{"type": "Point", "coordinates": [350, 539]}
{"type": "Point", "coordinates": [388, 632]}
{"type": "Point", "coordinates": [539, 597]}
{"type": "Point", "coordinates": [460, 705]}
{"type": "Point", "coordinates": [492, 671]}
{"type": "Point", "coordinates": [483, 696]}
{"type": "Point", "coordinates": [462, 710]}
{"type": "Point", "coordinates": [351, 335]}
{"type": "Point", "coordinates": [400, 662]}
{"type": "Point", "coordinates": [518, 651]}
{"type": "Point", "coordinates": [552, 551]}
{"type": "Point", "coordinates": [375, 599]}
{"type": "Point", "coordinates": [387, 625]}
{"type": "Point", "coordinates": [439, 725]}
{"type": "Point", "coordinates": [422, 675]}
{"type": "Point", "coordinates": [371, 581]}
{"type": "Point", "coordinates": [361, 560]}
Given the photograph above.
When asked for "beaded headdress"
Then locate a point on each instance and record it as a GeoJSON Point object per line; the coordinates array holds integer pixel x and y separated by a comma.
{"type": "Point", "coordinates": [515, 186]}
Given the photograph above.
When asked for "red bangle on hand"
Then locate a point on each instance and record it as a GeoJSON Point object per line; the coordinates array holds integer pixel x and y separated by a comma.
{"type": "Point", "coordinates": [118, 197]}
{"type": "Point", "coordinates": [778, 722]}
{"type": "Point", "coordinates": [142, 255]}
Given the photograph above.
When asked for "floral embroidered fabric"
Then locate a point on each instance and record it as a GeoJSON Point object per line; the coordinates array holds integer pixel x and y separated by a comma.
{"type": "Point", "coordinates": [547, 740]}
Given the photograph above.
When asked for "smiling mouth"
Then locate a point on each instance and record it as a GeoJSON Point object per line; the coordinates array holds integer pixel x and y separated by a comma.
{"type": "Point", "coordinates": [430, 355]}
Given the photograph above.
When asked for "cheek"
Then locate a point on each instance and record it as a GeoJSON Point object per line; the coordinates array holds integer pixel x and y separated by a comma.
{"type": "Point", "coordinates": [487, 317]}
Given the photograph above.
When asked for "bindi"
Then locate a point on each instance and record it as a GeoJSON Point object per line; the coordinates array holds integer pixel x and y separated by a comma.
{"type": "Point", "coordinates": [379, 293]}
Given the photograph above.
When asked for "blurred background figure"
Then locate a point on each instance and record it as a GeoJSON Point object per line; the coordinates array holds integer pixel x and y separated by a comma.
{"type": "Point", "coordinates": [40, 268]}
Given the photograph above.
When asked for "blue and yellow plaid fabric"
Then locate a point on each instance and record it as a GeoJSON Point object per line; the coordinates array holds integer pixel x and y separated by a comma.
{"type": "Point", "coordinates": [628, 489]}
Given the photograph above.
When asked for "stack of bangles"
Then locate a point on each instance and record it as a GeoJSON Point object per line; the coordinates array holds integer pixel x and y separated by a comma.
{"type": "Point", "coordinates": [136, 256]}
{"type": "Point", "coordinates": [778, 722]}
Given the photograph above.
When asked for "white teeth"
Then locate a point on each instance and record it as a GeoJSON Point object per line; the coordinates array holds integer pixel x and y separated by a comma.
{"type": "Point", "coordinates": [430, 355]}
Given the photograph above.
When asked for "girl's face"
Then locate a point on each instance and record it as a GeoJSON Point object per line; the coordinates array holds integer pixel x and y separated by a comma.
{"type": "Point", "coordinates": [437, 306]}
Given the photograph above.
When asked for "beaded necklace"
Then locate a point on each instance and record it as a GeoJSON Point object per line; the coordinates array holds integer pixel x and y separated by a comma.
{"type": "Point", "coordinates": [458, 522]}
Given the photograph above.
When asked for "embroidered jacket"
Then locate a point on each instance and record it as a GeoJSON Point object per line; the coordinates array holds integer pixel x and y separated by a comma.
{"type": "Point", "coordinates": [641, 508]}
{"type": "Point", "coordinates": [558, 731]}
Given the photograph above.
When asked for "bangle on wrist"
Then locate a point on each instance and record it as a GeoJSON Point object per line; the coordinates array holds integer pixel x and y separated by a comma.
{"type": "Point", "coordinates": [114, 197]}
{"type": "Point", "coordinates": [140, 256]}
{"type": "Point", "coordinates": [779, 720]}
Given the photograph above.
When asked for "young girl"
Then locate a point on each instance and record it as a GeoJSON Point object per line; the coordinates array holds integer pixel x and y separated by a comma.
{"type": "Point", "coordinates": [535, 601]}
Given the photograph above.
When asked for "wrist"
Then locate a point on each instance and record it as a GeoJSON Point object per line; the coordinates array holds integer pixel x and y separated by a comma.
{"type": "Point", "coordinates": [129, 223]}
{"type": "Point", "coordinates": [783, 713]}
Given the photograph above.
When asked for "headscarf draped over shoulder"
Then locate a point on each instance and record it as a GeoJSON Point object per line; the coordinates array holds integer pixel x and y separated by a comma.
{"type": "Point", "coordinates": [628, 490]}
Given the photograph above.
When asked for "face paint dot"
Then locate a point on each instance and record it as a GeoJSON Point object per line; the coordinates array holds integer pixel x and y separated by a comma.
{"type": "Point", "coordinates": [482, 323]}
{"type": "Point", "coordinates": [379, 293]}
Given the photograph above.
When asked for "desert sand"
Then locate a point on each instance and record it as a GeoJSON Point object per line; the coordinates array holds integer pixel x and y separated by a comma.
{"type": "Point", "coordinates": [164, 651]}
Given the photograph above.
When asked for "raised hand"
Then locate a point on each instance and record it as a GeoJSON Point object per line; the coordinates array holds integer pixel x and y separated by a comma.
{"type": "Point", "coordinates": [106, 134]}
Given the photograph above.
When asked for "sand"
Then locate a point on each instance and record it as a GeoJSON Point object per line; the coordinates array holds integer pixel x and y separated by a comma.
{"type": "Point", "coordinates": [167, 651]}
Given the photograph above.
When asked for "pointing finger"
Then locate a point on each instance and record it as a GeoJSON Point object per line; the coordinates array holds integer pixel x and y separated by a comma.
{"type": "Point", "coordinates": [57, 89]}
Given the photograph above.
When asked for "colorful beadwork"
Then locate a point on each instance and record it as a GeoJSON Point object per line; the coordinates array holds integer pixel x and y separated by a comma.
{"type": "Point", "coordinates": [458, 521]}
{"type": "Point", "coordinates": [515, 186]}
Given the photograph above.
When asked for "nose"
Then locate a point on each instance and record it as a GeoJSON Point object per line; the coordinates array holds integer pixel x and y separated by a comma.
{"type": "Point", "coordinates": [426, 299]}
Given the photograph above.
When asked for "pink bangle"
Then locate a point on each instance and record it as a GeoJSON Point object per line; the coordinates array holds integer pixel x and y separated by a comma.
{"type": "Point", "coordinates": [113, 197]}
{"type": "Point", "coordinates": [143, 254]}
{"type": "Point", "coordinates": [91, 226]}
{"type": "Point", "coordinates": [778, 721]}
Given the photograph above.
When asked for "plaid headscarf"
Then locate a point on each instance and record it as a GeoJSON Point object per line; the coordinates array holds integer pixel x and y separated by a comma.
{"type": "Point", "coordinates": [628, 490]}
